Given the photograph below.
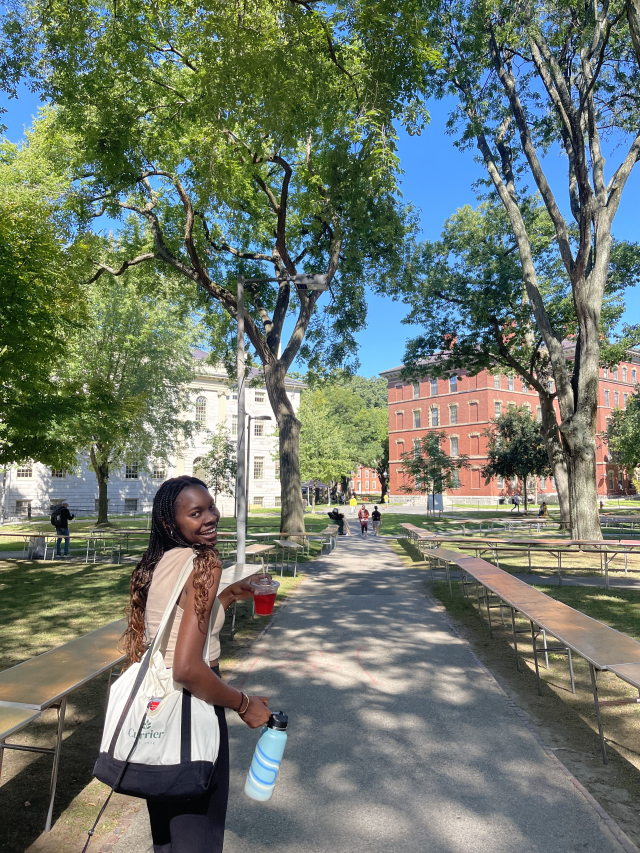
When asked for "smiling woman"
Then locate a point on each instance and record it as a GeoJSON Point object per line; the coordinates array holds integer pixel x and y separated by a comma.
{"type": "Point", "coordinates": [184, 531]}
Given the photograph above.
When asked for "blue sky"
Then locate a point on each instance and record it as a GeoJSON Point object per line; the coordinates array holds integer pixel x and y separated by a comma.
{"type": "Point", "coordinates": [437, 180]}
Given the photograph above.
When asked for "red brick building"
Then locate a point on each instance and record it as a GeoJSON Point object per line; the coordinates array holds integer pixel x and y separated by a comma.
{"type": "Point", "coordinates": [463, 407]}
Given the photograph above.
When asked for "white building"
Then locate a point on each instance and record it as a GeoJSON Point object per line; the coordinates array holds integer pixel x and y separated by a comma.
{"type": "Point", "coordinates": [132, 488]}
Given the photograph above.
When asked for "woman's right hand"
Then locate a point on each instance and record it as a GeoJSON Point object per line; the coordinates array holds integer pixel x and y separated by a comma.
{"type": "Point", "coordinates": [258, 713]}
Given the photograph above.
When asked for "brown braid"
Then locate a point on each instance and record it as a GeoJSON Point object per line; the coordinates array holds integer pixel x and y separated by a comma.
{"type": "Point", "coordinates": [165, 535]}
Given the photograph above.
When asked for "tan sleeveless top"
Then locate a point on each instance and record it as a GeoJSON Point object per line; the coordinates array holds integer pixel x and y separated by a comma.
{"type": "Point", "coordinates": [165, 575]}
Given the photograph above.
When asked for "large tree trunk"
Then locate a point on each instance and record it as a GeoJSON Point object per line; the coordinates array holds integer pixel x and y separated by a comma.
{"type": "Point", "coordinates": [524, 489]}
{"type": "Point", "coordinates": [292, 517]}
{"type": "Point", "coordinates": [101, 470]}
{"type": "Point", "coordinates": [556, 456]}
{"type": "Point", "coordinates": [383, 485]}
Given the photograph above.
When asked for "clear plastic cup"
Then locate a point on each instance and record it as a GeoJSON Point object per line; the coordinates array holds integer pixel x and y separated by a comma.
{"type": "Point", "coordinates": [264, 592]}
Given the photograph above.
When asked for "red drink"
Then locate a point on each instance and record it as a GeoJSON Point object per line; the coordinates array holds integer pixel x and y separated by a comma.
{"type": "Point", "coordinates": [264, 603]}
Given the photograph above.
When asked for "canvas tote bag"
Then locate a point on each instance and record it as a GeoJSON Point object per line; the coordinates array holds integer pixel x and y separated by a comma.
{"type": "Point", "coordinates": [158, 741]}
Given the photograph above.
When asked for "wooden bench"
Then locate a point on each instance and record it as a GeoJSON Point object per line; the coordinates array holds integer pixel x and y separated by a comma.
{"type": "Point", "coordinates": [48, 679]}
{"type": "Point", "coordinates": [601, 646]}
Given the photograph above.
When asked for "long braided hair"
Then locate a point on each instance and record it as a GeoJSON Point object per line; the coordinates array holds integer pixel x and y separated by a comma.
{"type": "Point", "coordinates": [165, 535]}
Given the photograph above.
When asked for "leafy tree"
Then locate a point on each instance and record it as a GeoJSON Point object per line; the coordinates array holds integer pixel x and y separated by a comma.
{"type": "Point", "coordinates": [469, 298]}
{"type": "Point", "coordinates": [247, 139]}
{"type": "Point", "coordinates": [429, 469]}
{"type": "Point", "coordinates": [526, 77]}
{"type": "Point", "coordinates": [220, 463]}
{"type": "Point", "coordinates": [41, 304]}
{"type": "Point", "coordinates": [325, 454]}
{"type": "Point", "coordinates": [516, 448]}
{"type": "Point", "coordinates": [623, 437]}
{"type": "Point", "coordinates": [130, 366]}
{"type": "Point", "coordinates": [374, 393]}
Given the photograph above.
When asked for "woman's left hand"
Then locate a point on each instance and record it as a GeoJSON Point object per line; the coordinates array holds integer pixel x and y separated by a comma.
{"type": "Point", "coordinates": [237, 591]}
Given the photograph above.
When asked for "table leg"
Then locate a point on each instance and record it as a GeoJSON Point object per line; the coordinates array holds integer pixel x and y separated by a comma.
{"type": "Point", "coordinates": [544, 646]}
{"type": "Point", "coordinates": [594, 687]}
{"type": "Point", "coordinates": [515, 637]}
{"type": "Point", "coordinates": [573, 683]}
{"type": "Point", "coordinates": [535, 656]}
{"type": "Point", "coordinates": [56, 763]}
{"type": "Point", "coordinates": [233, 619]}
{"type": "Point", "coordinates": [448, 571]}
{"type": "Point", "coordinates": [486, 600]}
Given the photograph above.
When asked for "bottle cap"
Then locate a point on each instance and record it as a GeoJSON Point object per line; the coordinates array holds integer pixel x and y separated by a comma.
{"type": "Point", "coordinates": [278, 721]}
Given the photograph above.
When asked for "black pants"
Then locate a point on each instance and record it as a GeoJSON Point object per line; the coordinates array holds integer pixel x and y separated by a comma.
{"type": "Point", "coordinates": [195, 825]}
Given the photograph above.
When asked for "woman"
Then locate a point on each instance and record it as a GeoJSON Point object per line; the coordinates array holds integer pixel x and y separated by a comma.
{"type": "Point", "coordinates": [184, 526]}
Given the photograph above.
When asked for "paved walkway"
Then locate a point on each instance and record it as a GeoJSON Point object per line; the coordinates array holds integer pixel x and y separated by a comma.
{"type": "Point", "coordinates": [399, 740]}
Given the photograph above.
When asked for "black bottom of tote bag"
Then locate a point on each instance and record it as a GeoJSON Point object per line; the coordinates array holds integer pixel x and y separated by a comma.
{"type": "Point", "coordinates": [162, 782]}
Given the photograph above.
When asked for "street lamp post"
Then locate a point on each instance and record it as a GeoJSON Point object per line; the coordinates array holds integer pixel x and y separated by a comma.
{"type": "Point", "coordinates": [249, 419]}
{"type": "Point", "coordinates": [303, 283]}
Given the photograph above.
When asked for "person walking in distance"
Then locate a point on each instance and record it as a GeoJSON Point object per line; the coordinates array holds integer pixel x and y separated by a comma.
{"type": "Point", "coordinates": [353, 503]}
{"type": "Point", "coordinates": [516, 503]}
{"type": "Point", "coordinates": [184, 528]}
{"type": "Point", "coordinates": [376, 519]}
{"type": "Point", "coordinates": [63, 517]}
{"type": "Point", "coordinates": [363, 515]}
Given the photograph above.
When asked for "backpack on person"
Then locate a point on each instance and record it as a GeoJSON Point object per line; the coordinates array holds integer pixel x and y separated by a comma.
{"type": "Point", "coordinates": [56, 517]}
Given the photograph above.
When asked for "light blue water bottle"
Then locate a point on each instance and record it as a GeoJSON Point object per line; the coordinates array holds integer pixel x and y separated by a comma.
{"type": "Point", "coordinates": [263, 772]}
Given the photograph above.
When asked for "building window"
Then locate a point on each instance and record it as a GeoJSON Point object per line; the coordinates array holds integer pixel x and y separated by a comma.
{"type": "Point", "coordinates": [606, 398]}
{"type": "Point", "coordinates": [525, 386]}
{"type": "Point", "coordinates": [610, 481]}
{"type": "Point", "coordinates": [453, 414]}
{"type": "Point", "coordinates": [201, 411]}
{"type": "Point", "coordinates": [258, 467]}
{"type": "Point", "coordinates": [500, 481]}
{"type": "Point", "coordinates": [514, 482]}
{"type": "Point", "coordinates": [498, 409]}
{"type": "Point", "coordinates": [551, 386]}
{"type": "Point", "coordinates": [496, 380]}
{"type": "Point", "coordinates": [615, 372]}
{"type": "Point", "coordinates": [277, 469]}
{"type": "Point", "coordinates": [454, 446]}
{"type": "Point", "coordinates": [258, 502]}
{"type": "Point", "coordinates": [435, 417]}
{"type": "Point", "coordinates": [416, 418]}
{"type": "Point", "coordinates": [434, 387]}
{"type": "Point", "coordinates": [543, 484]}
{"type": "Point", "coordinates": [278, 500]}
{"type": "Point", "coordinates": [58, 474]}
{"type": "Point", "coordinates": [416, 446]}
{"type": "Point", "coordinates": [22, 506]}
{"type": "Point", "coordinates": [605, 372]}
{"type": "Point", "coordinates": [509, 383]}
{"type": "Point", "coordinates": [624, 374]}
{"type": "Point", "coordinates": [258, 428]}
{"type": "Point", "coordinates": [455, 479]}
{"type": "Point", "coordinates": [131, 504]}
{"type": "Point", "coordinates": [416, 390]}
{"type": "Point", "coordinates": [552, 480]}
{"type": "Point", "coordinates": [453, 384]}
{"type": "Point", "coordinates": [260, 396]}
{"type": "Point", "coordinates": [234, 396]}
{"type": "Point", "coordinates": [159, 472]}
{"type": "Point", "coordinates": [634, 376]}
{"type": "Point", "coordinates": [131, 470]}
{"type": "Point", "coordinates": [527, 407]}
{"type": "Point", "coordinates": [25, 471]}
{"type": "Point", "coordinates": [539, 414]}
{"type": "Point", "coordinates": [616, 399]}
{"type": "Point", "coordinates": [234, 425]}
{"type": "Point", "coordinates": [624, 396]}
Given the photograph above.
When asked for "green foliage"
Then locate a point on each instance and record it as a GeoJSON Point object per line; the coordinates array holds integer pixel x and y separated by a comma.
{"type": "Point", "coordinates": [467, 292]}
{"type": "Point", "coordinates": [41, 303]}
{"type": "Point", "coordinates": [623, 437]}
{"type": "Point", "coordinates": [220, 463]}
{"type": "Point", "coordinates": [325, 453]}
{"type": "Point", "coordinates": [129, 367]}
{"type": "Point", "coordinates": [516, 447]}
{"type": "Point", "coordinates": [428, 468]}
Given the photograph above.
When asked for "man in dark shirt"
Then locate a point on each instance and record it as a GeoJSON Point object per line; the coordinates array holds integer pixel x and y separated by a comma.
{"type": "Point", "coordinates": [63, 530]}
{"type": "Point", "coordinates": [376, 518]}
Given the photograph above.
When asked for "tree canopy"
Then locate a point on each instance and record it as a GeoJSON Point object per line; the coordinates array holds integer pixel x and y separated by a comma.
{"type": "Point", "coordinates": [516, 448]}
{"type": "Point", "coordinates": [428, 468]}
